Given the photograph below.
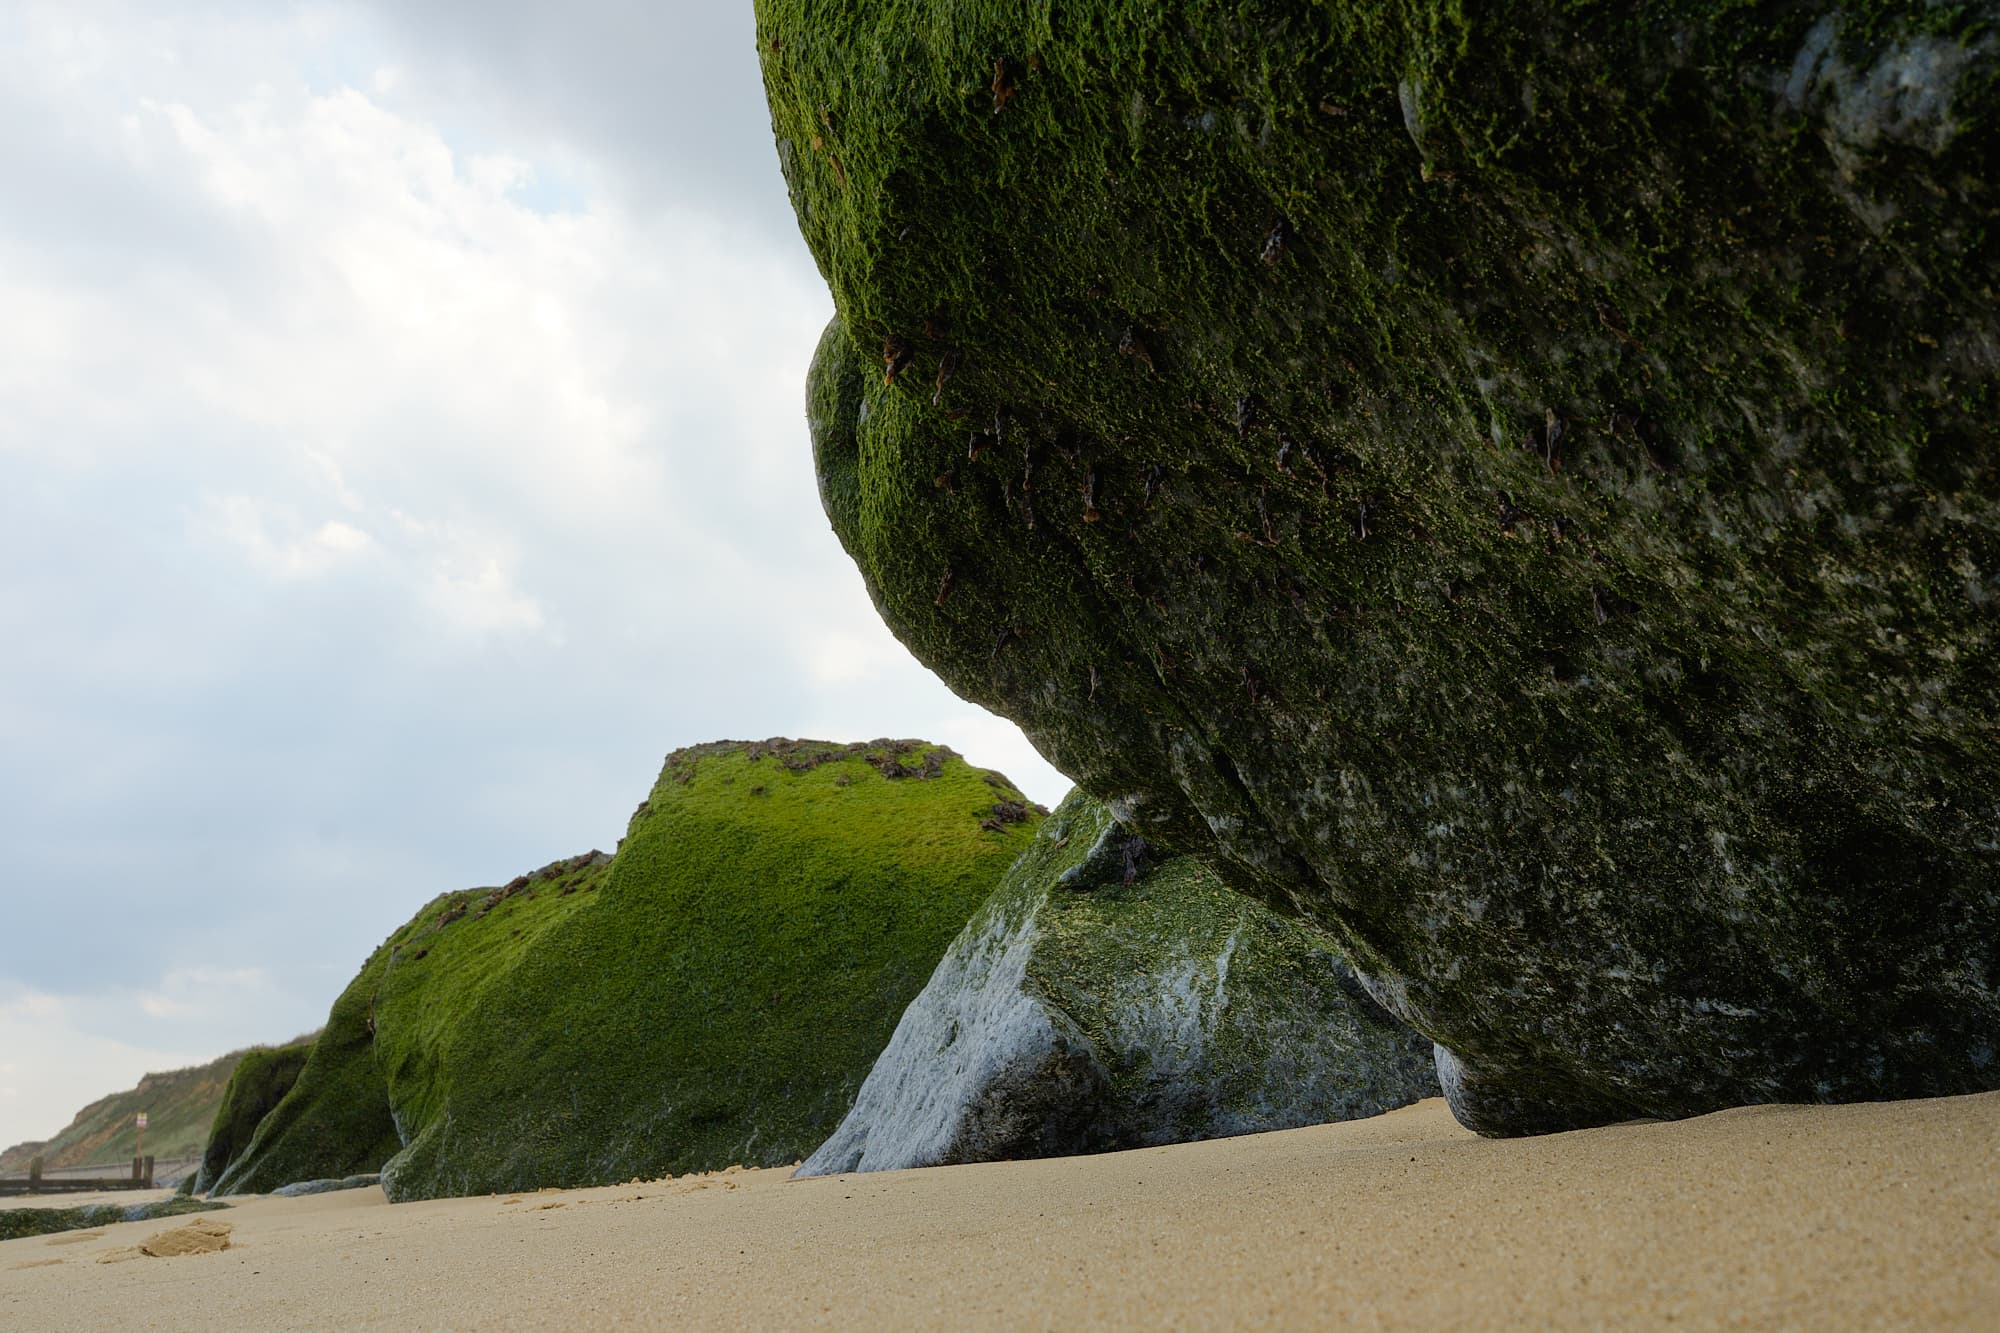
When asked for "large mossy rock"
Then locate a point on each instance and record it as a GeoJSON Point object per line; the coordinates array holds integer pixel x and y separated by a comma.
{"type": "Point", "coordinates": [1515, 483]}
{"type": "Point", "coordinates": [334, 1120]}
{"type": "Point", "coordinates": [262, 1078]}
{"type": "Point", "coordinates": [713, 994]}
{"type": "Point", "coordinates": [1079, 1012]}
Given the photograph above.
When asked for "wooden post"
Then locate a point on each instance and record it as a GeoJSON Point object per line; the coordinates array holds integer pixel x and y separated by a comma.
{"type": "Point", "coordinates": [149, 1171]}
{"type": "Point", "coordinates": [34, 1175]}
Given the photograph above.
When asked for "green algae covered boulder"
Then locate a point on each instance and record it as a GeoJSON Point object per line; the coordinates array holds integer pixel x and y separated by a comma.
{"type": "Point", "coordinates": [1513, 483]}
{"type": "Point", "coordinates": [1105, 998]}
{"type": "Point", "coordinates": [334, 1120]}
{"type": "Point", "coordinates": [712, 994]}
{"type": "Point", "coordinates": [261, 1080]}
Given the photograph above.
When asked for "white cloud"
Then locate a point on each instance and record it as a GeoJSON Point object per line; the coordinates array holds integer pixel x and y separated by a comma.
{"type": "Point", "coordinates": [392, 478]}
{"type": "Point", "coordinates": [205, 992]}
{"type": "Point", "coordinates": [843, 656]}
{"type": "Point", "coordinates": [476, 593]}
{"type": "Point", "coordinates": [31, 1007]}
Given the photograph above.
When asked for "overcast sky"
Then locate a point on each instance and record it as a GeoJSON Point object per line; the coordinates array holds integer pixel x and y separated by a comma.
{"type": "Point", "coordinates": [401, 450]}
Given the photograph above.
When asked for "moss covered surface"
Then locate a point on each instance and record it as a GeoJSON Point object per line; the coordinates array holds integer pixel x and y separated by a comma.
{"type": "Point", "coordinates": [1516, 482]}
{"type": "Point", "coordinates": [18, 1222]}
{"type": "Point", "coordinates": [334, 1120]}
{"type": "Point", "coordinates": [1212, 1014]}
{"type": "Point", "coordinates": [1101, 1001]}
{"type": "Point", "coordinates": [261, 1079]}
{"type": "Point", "coordinates": [712, 994]}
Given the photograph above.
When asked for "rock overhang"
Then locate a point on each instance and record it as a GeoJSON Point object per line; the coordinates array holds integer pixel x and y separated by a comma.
{"type": "Point", "coordinates": [1516, 488]}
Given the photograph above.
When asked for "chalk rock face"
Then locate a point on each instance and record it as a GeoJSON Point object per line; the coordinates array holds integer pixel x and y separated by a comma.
{"type": "Point", "coordinates": [712, 994]}
{"type": "Point", "coordinates": [1515, 484]}
{"type": "Point", "coordinates": [1079, 1013]}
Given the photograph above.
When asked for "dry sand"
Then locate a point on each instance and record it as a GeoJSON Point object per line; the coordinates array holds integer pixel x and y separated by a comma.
{"type": "Point", "coordinates": [1824, 1217]}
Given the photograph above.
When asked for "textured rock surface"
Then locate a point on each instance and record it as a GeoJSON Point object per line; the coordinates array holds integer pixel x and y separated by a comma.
{"type": "Point", "coordinates": [1078, 1013]}
{"type": "Point", "coordinates": [1516, 485]}
{"type": "Point", "coordinates": [300, 1188]}
{"type": "Point", "coordinates": [712, 994]}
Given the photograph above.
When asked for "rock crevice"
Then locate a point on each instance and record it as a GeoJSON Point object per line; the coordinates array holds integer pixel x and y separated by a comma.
{"type": "Point", "coordinates": [1155, 1008]}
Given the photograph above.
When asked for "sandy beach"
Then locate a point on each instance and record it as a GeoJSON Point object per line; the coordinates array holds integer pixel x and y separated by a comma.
{"type": "Point", "coordinates": [1853, 1216]}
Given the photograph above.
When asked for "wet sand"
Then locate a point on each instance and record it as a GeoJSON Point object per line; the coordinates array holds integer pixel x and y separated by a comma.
{"type": "Point", "coordinates": [1827, 1217]}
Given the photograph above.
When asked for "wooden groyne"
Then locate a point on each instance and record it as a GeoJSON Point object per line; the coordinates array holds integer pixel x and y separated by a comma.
{"type": "Point", "coordinates": [39, 1182]}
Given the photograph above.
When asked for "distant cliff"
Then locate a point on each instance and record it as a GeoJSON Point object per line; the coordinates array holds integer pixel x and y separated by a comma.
{"type": "Point", "coordinates": [180, 1106]}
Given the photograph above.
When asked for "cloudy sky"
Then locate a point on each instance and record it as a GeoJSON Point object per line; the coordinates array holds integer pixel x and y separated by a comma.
{"type": "Point", "coordinates": [401, 450]}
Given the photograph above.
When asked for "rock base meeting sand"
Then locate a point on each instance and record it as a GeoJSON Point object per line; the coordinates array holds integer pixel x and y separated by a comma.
{"type": "Point", "coordinates": [1884, 1214]}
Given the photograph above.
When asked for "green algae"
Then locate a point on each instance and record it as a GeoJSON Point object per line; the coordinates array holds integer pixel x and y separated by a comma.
{"type": "Point", "coordinates": [1515, 484]}
{"type": "Point", "coordinates": [710, 995]}
{"type": "Point", "coordinates": [1214, 1015]}
{"type": "Point", "coordinates": [1108, 949]}
{"type": "Point", "coordinates": [16, 1223]}
{"type": "Point", "coordinates": [261, 1079]}
{"type": "Point", "coordinates": [334, 1120]}
{"type": "Point", "coordinates": [1110, 996]}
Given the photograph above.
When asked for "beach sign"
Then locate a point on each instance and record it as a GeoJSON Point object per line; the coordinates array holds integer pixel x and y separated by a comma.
{"type": "Point", "coordinates": [142, 1120]}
